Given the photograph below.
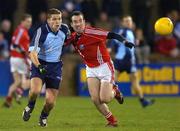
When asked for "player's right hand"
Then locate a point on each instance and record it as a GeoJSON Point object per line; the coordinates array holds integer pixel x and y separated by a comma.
{"type": "Point", "coordinates": [42, 69]}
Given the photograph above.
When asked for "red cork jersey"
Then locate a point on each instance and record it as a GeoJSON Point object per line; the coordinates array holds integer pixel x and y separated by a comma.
{"type": "Point", "coordinates": [91, 45]}
{"type": "Point", "coordinates": [20, 38]}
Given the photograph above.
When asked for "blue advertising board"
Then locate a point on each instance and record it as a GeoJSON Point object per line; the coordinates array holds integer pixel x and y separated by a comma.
{"type": "Point", "coordinates": [155, 79]}
{"type": "Point", "coordinates": [5, 77]}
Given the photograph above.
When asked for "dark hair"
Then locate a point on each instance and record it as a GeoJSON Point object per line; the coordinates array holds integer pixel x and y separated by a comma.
{"type": "Point", "coordinates": [52, 11]}
{"type": "Point", "coordinates": [75, 13]}
{"type": "Point", "coordinates": [25, 16]}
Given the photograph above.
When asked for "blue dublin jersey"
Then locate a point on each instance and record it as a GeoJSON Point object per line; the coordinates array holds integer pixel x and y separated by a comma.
{"type": "Point", "coordinates": [49, 44]}
{"type": "Point", "coordinates": [124, 56]}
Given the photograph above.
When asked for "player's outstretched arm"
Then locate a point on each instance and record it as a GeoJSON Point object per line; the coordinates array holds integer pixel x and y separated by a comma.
{"type": "Point", "coordinates": [112, 35]}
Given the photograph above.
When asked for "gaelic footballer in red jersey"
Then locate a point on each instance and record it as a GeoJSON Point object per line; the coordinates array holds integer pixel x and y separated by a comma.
{"type": "Point", "coordinates": [19, 49]}
{"type": "Point", "coordinates": [20, 39]}
{"type": "Point", "coordinates": [90, 43]}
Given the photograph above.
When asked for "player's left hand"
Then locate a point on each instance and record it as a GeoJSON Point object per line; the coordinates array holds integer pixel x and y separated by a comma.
{"type": "Point", "coordinates": [42, 69]}
{"type": "Point", "coordinates": [129, 44]}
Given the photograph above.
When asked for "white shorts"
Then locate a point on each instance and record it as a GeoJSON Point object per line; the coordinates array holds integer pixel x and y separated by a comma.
{"type": "Point", "coordinates": [18, 64]}
{"type": "Point", "coordinates": [104, 72]}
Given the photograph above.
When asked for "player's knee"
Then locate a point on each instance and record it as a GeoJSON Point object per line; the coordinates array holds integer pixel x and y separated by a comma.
{"type": "Point", "coordinates": [35, 91]}
{"type": "Point", "coordinates": [95, 99]}
{"type": "Point", "coordinates": [24, 84]}
{"type": "Point", "coordinates": [17, 83]}
{"type": "Point", "coordinates": [50, 103]}
{"type": "Point", "coordinates": [105, 99]}
{"type": "Point", "coordinates": [135, 87]}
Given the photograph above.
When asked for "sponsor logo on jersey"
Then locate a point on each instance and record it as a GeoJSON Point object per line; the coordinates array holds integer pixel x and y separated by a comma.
{"type": "Point", "coordinates": [81, 47]}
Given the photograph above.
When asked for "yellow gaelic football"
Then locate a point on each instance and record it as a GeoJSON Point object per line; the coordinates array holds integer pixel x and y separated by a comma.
{"type": "Point", "coordinates": [164, 26]}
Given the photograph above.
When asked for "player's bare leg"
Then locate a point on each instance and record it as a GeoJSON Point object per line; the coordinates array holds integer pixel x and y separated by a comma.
{"type": "Point", "coordinates": [109, 91]}
{"type": "Point", "coordinates": [51, 95]}
{"type": "Point", "coordinates": [106, 92]}
{"type": "Point", "coordinates": [36, 85]}
{"type": "Point", "coordinates": [19, 91]}
{"type": "Point", "coordinates": [94, 90]}
{"type": "Point", "coordinates": [119, 95]}
{"type": "Point", "coordinates": [17, 81]}
{"type": "Point", "coordinates": [25, 86]}
{"type": "Point", "coordinates": [135, 84]}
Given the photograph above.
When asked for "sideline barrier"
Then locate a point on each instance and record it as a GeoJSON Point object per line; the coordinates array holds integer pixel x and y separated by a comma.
{"type": "Point", "coordinates": [155, 79]}
{"type": "Point", "coordinates": [5, 77]}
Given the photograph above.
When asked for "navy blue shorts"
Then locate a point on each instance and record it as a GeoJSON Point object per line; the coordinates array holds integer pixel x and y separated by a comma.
{"type": "Point", "coordinates": [53, 76]}
{"type": "Point", "coordinates": [126, 64]}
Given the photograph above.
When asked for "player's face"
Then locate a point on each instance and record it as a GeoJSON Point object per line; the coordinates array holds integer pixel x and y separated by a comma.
{"type": "Point", "coordinates": [127, 22]}
{"type": "Point", "coordinates": [78, 23]}
{"type": "Point", "coordinates": [28, 22]}
{"type": "Point", "coordinates": [54, 22]}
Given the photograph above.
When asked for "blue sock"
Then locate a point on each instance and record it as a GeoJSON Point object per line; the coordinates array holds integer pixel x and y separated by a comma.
{"type": "Point", "coordinates": [141, 99]}
{"type": "Point", "coordinates": [31, 104]}
{"type": "Point", "coordinates": [44, 114]}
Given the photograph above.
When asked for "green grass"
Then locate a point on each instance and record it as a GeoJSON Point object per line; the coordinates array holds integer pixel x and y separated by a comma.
{"type": "Point", "coordinates": [79, 114]}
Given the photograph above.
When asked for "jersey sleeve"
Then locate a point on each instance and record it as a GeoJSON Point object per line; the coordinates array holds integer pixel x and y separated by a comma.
{"type": "Point", "coordinates": [98, 32]}
{"type": "Point", "coordinates": [35, 43]}
{"type": "Point", "coordinates": [65, 29]}
{"type": "Point", "coordinates": [17, 37]}
{"type": "Point", "coordinates": [113, 43]}
{"type": "Point", "coordinates": [24, 41]}
{"type": "Point", "coordinates": [20, 40]}
{"type": "Point", "coordinates": [130, 36]}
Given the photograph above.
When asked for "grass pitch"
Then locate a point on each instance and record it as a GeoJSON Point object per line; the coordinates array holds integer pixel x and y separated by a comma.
{"type": "Point", "coordinates": [79, 114]}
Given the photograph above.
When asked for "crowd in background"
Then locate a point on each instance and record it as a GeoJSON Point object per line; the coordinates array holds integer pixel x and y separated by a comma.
{"type": "Point", "coordinates": [105, 14]}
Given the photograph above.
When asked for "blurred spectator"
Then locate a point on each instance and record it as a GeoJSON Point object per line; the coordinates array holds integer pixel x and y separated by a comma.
{"type": "Point", "coordinates": [7, 9]}
{"type": "Point", "coordinates": [35, 7]}
{"type": "Point", "coordinates": [174, 16]}
{"type": "Point", "coordinates": [142, 49]}
{"type": "Point", "coordinates": [141, 13]}
{"type": "Point", "coordinates": [112, 7]}
{"type": "Point", "coordinates": [41, 20]}
{"type": "Point", "coordinates": [166, 45]}
{"type": "Point", "coordinates": [4, 52]}
{"type": "Point", "coordinates": [103, 22]}
{"type": "Point", "coordinates": [90, 10]}
{"type": "Point", "coordinates": [114, 10]}
{"type": "Point", "coordinates": [165, 6]}
{"type": "Point", "coordinates": [67, 6]}
{"type": "Point", "coordinates": [6, 30]}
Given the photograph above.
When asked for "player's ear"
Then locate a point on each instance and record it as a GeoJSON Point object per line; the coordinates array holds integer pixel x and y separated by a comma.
{"type": "Point", "coordinates": [48, 20]}
{"type": "Point", "coordinates": [71, 24]}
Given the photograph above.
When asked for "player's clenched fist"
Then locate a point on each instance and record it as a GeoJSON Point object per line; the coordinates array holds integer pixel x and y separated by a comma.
{"type": "Point", "coordinates": [42, 69]}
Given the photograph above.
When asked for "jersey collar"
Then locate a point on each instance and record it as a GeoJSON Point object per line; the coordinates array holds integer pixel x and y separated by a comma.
{"type": "Point", "coordinates": [49, 29]}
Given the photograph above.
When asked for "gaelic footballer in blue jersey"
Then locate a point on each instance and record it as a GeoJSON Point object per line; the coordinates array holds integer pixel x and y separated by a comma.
{"type": "Point", "coordinates": [125, 58]}
{"type": "Point", "coordinates": [45, 53]}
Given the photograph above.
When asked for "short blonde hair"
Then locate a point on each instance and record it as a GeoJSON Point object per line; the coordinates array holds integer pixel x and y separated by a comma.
{"type": "Point", "coordinates": [52, 11]}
